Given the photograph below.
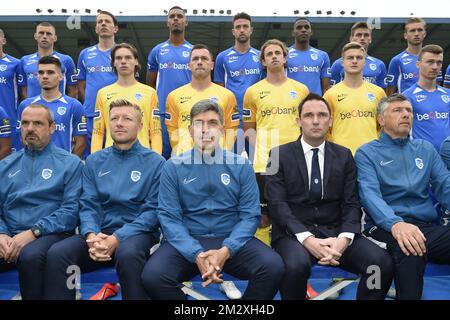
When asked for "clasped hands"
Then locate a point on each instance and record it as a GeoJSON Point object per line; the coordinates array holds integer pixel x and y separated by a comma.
{"type": "Point", "coordinates": [101, 246]}
{"type": "Point", "coordinates": [327, 251]}
{"type": "Point", "coordinates": [210, 263]}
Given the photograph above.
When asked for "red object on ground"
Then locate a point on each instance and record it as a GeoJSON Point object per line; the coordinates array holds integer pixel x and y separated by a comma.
{"type": "Point", "coordinates": [108, 290]}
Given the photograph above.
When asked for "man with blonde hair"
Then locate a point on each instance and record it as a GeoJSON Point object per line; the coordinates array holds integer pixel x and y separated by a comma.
{"type": "Point", "coordinates": [354, 102]}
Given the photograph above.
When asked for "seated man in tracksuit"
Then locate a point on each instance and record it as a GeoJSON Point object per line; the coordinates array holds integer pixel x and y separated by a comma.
{"type": "Point", "coordinates": [118, 221]}
{"type": "Point", "coordinates": [394, 176]}
{"type": "Point", "coordinates": [208, 208]}
{"type": "Point", "coordinates": [39, 190]}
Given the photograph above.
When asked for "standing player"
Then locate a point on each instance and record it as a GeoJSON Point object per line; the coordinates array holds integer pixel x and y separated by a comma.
{"type": "Point", "coordinates": [402, 72]}
{"type": "Point", "coordinates": [168, 68]}
{"type": "Point", "coordinates": [9, 72]}
{"type": "Point", "coordinates": [271, 108]}
{"type": "Point", "coordinates": [45, 37]}
{"type": "Point", "coordinates": [374, 69]}
{"type": "Point", "coordinates": [354, 102]}
{"type": "Point", "coordinates": [181, 100]}
{"type": "Point", "coordinates": [125, 64]}
{"type": "Point", "coordinates": [5, 134]}
{"type": "Point", "coordinates": [238, 67]}
{"type": "Point", "coordinates": [306, 64]}
{"type": "Point", "coordinates": [70, 123]}
{"type": "Point", "coordinates": [94, 68]}
{"type": "Point", "coordinates": [430, 102]}
{"type": "Point", "coordinates": [447, 77]}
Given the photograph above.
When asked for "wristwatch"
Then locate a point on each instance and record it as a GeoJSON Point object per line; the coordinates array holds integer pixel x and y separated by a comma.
{"type": "Point", "coordinates": [36, 231]}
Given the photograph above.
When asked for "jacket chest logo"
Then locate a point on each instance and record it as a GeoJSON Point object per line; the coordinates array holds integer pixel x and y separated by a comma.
{"type": "Point", "coordinates": [419, 163]}
{"type": "Point", "coordinates": [46, 174]}
{"type": "Point", "coordinates": [225, 177]}
{"type": "Point", "coordinates": [135, 175]}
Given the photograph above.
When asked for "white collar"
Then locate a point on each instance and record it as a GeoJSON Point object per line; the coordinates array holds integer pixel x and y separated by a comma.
{"type": "Point", "coordinates": [306, 147]}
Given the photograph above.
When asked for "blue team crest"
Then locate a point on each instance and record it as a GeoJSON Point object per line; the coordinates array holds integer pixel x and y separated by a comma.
{"type": "Point", "coordinates": [46, 173]}
{"type": "Point", "coordinates": [255, 58]}
{"type": "Point", "coordinates": [373, 66]}
{"type": "Point", "coordinates": [138, 96]}
{"type": "Point", "coordinates": [3, 67]}
{"type": "Point", "coordinates": [419, 163]}
{"type": "Point", "coordinates": [314, 56]}
{"type": "Point", "coordinates": [370, 96]}
{"type": "Point", "coordinates": [225, 177]}
{"type": "Point", "coordinates": [185, 54]}
{"type": "Point", "coordinates": [62, 111]}
{"type": "Point", "coordinates": [214, 99]}
{"type": "Point", "coordinates": [135, 175]}
{"type": "Point", "coordinates": [293, 94]}
{"type": "Point", "coordinates": [445, 98]}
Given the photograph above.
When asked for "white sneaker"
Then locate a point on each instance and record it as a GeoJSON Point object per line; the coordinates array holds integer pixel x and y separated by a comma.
{"type": "Point", "coordinates": [18, 296]}
{"type": "Point", "coordinates": [78, 295]}
{"type": "Point", "coordinates": [392, 293]}
{"type": "Point", "coordinates": [230, 290]}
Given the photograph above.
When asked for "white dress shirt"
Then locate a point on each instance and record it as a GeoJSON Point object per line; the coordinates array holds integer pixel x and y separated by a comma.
{"type": "Point", "coordinates": [307, 150]}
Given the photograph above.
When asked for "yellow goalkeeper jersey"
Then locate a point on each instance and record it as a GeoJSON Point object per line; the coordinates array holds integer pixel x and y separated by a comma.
{"type": "Point", "coordinates": [274, 109]}
{"type": "Point", "coordinates": [142, 95]}
{"type": "Point", "coordinates": [178, 108]}
{"type": "Point", "coordinates": [354, 114]}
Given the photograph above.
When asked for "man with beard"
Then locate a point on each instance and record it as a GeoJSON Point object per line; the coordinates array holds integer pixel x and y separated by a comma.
{"type": "Point", "coordinates": [70, 122]}
{"type": "Point", "coordinates": [39, 193]}
{"type": "Point", "coordinates": [167, 67]}
{"type": "Point", "coordinates": [238, 67]}
{"type": "Point", "coordinates": [306, 64]}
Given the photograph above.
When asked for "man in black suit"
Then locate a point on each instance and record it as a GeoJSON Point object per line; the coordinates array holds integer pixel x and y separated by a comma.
{"type": "Point", "coordinates": [315, 210]}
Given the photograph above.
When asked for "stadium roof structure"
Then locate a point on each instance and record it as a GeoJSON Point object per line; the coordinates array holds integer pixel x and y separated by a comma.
{"type": "Point", "coordinates": [144, 24]}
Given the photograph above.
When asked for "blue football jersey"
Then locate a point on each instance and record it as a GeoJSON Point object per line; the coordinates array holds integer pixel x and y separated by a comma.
{"type": "Point", "coordinates": [94, 67]}
{"type": "Point", "coordinates": [431, 114]}
{"type": "Point", "coordinates": [374, 71]}
{"type": "Point", "coordinates": [70, 120]}
{"type": "Point", "coordinates": [9, 76]}
{"type": "Point", "coordinates": [238, 71]}
{"type": "Point", "coordinates": [5, 124]}
{"type": "Point", "coordinates": [447, 77]}
{"type": "Point", "coordinates": [308, 67]}
{"type": "Point", "coordinates": [29, 73]}
{"type": "Point", "coordinates": [172, 65]}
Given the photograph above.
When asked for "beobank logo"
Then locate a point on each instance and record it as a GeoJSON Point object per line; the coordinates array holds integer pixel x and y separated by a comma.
{"type": "Point", "coordinates": [279, 110]}
{"type": "Point", "coordinates": [432, 115]}
{"type": "Point", "coordinates": [172, 65]}
{"type": "Point", "coordinates": [244, 72]}
{"type": "Point", "coordinates": [304, 69]}
{"type": "Point", "coordinates": [357, 114]}
{"type": "Point", "coordinates": [99, 69]}
{"type": "Point", "coordinates": [411, 75]}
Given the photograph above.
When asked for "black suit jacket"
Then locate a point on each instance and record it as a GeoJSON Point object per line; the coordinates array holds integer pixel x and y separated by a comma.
{"type": "Point", "coordinates": [287, 193]}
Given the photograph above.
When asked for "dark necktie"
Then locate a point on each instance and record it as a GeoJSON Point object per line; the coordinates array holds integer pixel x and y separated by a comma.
{"type": "Point", "coordinates": [315, 189]}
